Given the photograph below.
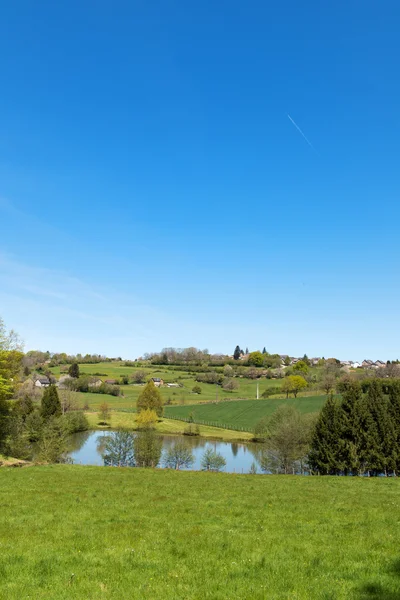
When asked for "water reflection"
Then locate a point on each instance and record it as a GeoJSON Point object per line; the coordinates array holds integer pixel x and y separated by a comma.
{"type": "Point", "coordinates": [87, 448]}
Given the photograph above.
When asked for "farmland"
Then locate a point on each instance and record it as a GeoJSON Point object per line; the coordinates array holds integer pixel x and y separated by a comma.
{"type": "Point", "coordinates": [241, 413]}
{"type": "Point", "coordinates": [97, 532]}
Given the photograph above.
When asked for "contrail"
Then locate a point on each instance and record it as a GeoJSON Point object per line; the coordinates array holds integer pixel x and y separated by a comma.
{"type": "Point", "coordinates": [298, 129]}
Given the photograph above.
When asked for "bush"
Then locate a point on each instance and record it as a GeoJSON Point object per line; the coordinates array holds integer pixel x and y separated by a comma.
{"type": "Point", "coordinates": [196, 389]}
{"type": "Point", "coordinates": [75, 421]}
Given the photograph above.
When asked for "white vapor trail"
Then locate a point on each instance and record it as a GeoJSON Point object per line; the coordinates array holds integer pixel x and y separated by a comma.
{"type": "Point", "coordinates": [298, 129]}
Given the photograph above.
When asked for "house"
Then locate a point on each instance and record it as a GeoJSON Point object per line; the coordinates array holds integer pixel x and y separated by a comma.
{"type": "Point", "coordinates": [356, 365]}
{"type": "Point", "coordinates": [111, 381]}
{"type": "Point", "coordinates": [42, 382]}
{"type": "Point", "coordinates": [380, 364]}
{"type": "Point", "coordinates": [157, 381]}
{"type": "Point", "coordinates": [368, 364]}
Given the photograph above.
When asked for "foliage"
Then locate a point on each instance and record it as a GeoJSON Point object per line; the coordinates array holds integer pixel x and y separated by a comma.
{"type": "Point", "coordinates": [146, 419]}
{"type": "Point", "coordinates": [301, 367]}
{"type": "Point", "coordinates": [178, 455]}
{"type": "Point", "coordinates": [360, 434]}
{"type": "Point", "coordinates": [73, 371]}
{"type": "Point", "coordinates": [236, 353]}
{"type": "Point", "coordinates": [212, 460]}
{"type": "Point", "coordinates": [75, 421]}
{"type": "Point", "coordinates": [256, 359]}
{"type": "Point", "coordinates": [147, 448]}
{"type": "Point", "coordinates": [104, 413]}
{"type": "Point", "coordinates": [293, 384]}
{"type": "Point", "coordinates": [139, 376]}
{"type": "Point", "coordinates": [196, 389]}
{"type": "Point", "coordinates": [53, 442]}
{"type": "Point", "coordinates": [287, 439]}
{"type": "Point", "coordinates": [118, 449]}
{"type": "Point", "coordinates": [271, 391]}
{"type": "Point", "coordinates": [230, 384]}
{"type": "Point", "coordinates": [51, 405]}
{"type": "Point", "coordinates": [150, 398]}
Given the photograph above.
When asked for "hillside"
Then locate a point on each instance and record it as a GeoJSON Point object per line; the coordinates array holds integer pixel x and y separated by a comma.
{"type": "Point", "coordinates": [97, 532]}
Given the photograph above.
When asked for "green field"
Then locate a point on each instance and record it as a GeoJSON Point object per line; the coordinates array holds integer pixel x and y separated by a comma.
{"type": "Point", "coordinates": [241, 413]}
{"type": "Point", "coordinates": [70, 532]}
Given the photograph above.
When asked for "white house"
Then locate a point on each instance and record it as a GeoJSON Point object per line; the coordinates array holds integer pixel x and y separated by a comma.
{"type": "Point", "coordinates": [42, 382]}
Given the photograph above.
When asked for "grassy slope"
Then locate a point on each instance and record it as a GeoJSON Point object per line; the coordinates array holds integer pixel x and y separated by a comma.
{"type": "Point", "coordinates": [84, 532]}
{"type": "Point", "coordinates": [242, 413]}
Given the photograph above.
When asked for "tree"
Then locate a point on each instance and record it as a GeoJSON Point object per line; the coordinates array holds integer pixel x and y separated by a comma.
{"type": "Point", "coordinates": [230, 384]}
{"type": "Point", "coordinates": [297, 383]}
{"type": "Point", "coordinates": [264, 350]}
{"type": "Point", "coordinates": [139, 376]}
{"type": "Point", "coordinates": [287, 386]}
{"type": "Point", "coordinates": [212, 461]}
{"type": "Point", "coordinates": [196, 389]}
{"type": "Point", "coordinates": [228, 371]}
{"type": "Point", "coordinates": [287, 440]}
{"type": "Point", "coordinates": [51, 405]}
{"type": "Point", "coordinates": [328, 383]}
{"type": "Point", "coordinates": [247, 350]}
{"type": "Point", "coordinates": [150, 398]}
{"type": "Point", "coordinates": [381, 432]}
{"type": "Point", "coordinates": [104, 413]}
{"type": "Point", "coordinates": [146, 419]}
{"type": "Point", "coordinates": [178, 455]}
{"type": "Point", "coordinates": [9, 340]}
{"type": "Point", "coordinates": [73, 371]}
{"type": "Point", "coordinates": [301, 367]}
{"type": "Point", "coordinates": [118, 449]}
{"type": "Point", "coordinates": [52, 445]}
{"type": "Point", "coordinates": [147, 449]}
{"type": "Point", "coordinates": [287, 361]}
{"type": "Point", "coordinates": [324, 458]}
{"type": "Point", "coordinates": [256, 359]}
{"type": "Point", "coordinates": [236, 353]}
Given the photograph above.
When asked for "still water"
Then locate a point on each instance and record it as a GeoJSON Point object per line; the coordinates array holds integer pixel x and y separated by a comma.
{"type": "Point", "coordinates": [87, 447]}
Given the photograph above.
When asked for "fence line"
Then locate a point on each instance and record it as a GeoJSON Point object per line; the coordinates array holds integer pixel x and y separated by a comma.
{"type": "Point", "coordinates": [195, 421]}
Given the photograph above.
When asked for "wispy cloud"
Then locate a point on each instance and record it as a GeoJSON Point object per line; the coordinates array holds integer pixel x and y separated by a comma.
{"type": "Point", "coordinates": [300, 131]}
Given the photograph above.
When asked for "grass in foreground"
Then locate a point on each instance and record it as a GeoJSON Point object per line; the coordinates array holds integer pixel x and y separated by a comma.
{"type": "Point", "coordinates": [242, 413]}
{"type": "Point", "coordinates": [69, 532]}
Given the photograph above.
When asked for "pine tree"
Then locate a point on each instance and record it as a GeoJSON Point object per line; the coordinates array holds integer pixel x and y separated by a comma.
{"type": "Point", "coordinates": [381, 434]}
{"type": "Point", "coordinates": [323, 457]}
{"type": "Point", "coordinates": [236, 354]}
{"type": "Point", "coordinates": [264, 350]}
{"type": "Point", "coordinates": [51, 405]}
{"type": "Point", "coordinates": [394, 413]}
{"type": "Point", "coordinates": [73, 371]}
{"type": "Point", "coordinates": [247, 350]}
{"type": "Point", "coordinates": [348, 416]}
{"type": "Point", "coordinates": [150, 398]}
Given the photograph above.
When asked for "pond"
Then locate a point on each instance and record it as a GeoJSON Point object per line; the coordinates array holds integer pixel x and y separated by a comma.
{"type": "Point", "coordinates": [86, 449]}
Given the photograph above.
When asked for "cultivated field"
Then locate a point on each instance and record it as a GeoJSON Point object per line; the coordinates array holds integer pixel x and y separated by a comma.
{"type": "Point", "coordinates": [241, 413]}
{"type": "Point", "coordinates": [70, 532]}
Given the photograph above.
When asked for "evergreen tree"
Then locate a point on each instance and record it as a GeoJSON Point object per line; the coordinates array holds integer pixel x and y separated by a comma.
{"type": "Point", "coordinates": [236, 354]}
{"type": "Point", "coordinates": [150, 399]}
{"type": "Point", "coordinates": [394, 414]}
{"type": "Point", "coordinates": [381, 433]}
{"type": "Point", "coordinates": [264, 350]}
{"type": "Point", "coordinates": [247, 350]}
{"type": "Point", "coordinates": [51, 405]}
{"type": "Point", "coordinates": [348, 416]}
{"type": "Point", "coordinates": [73, 371]}
{"type": "Point", "coordinates": [324, 457]}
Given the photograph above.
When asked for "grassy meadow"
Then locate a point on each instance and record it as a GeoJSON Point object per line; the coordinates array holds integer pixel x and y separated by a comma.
{"type": "Point", "coordinates": [242, 413]}
{"type": "Point", "coordinates": [70, 532]}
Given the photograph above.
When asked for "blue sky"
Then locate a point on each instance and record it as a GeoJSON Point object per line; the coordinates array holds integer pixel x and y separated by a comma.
{"type": "Point", "coordinates": [154, 192]}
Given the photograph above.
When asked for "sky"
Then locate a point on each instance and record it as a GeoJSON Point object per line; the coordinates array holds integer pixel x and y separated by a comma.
{"type": "Point", "coordinates": [203, 174]}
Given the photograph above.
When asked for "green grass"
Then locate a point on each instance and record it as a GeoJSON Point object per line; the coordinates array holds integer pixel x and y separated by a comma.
{"type": "Point", "coordinates": [70, 532]}
{"type": "Point", "coordinates": [242, 413]}
{"type": "Point", "coordinates": [127, 420]}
